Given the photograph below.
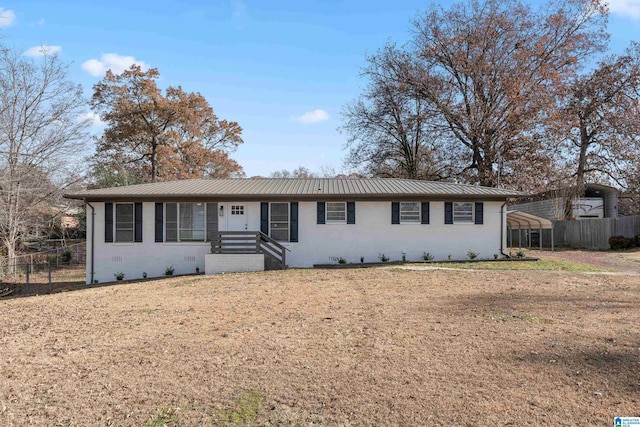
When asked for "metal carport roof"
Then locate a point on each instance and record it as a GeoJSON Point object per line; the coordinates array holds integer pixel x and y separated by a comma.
{"type": "Point", "coordinates": [518, 220]}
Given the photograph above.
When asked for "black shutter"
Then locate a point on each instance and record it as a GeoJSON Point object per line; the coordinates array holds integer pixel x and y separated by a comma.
{"type": "Point", "coordinates": [159, 222]}
{"type": "Point", "coordinates": [137, 215]}
{"type": "Point", "coordinates": [424, 209]}
{"type": "Point", "coordinates": [448, 212]}
{"type": "Point", "coordinates": [108, 222]}
{"type": "Point", "coordinates": [212, 220]}
{"type": "Point", "coordinates": [351, 212]}
{"type": "Point", "coordinates": [264, 217]}
{"type": "Point", "coordinates": [395, 212]}
{"type": "Point", "coordinates": [479, 213]}
{"type": "Point", "coordinates": [321, 212]}
{"type": "Point", "coordinates": [293, 225]}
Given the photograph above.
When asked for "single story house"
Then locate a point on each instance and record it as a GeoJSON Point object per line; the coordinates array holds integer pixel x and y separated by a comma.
{"type": "Point", "coordinates": [142, 230]}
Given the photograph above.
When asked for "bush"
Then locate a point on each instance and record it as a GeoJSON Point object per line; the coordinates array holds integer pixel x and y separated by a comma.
{"type": "Point", "coordinates": [426, 256]}
{"type": "Point", "coordinates": [620, 242]}
{"type": "Point", "coordinates": [67, 256]}
{"type": "Point", "coordinates": [471, 254]}
{"type": "Point", "coordinates": [383, 258]}
{"type": "Point", "coordinates": [169, 271]}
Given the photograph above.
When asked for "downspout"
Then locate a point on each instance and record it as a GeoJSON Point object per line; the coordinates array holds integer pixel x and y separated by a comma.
{"type": "Point", "coordinates": [502, 230]}
{"type": "Point", "coordinates": [93, 233]}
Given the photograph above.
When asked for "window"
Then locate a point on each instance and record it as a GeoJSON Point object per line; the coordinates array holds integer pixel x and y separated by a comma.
{"type": "Point", "coordinates": [336, 212]}
{"type": "Point", "coordinates": [463, 212]}
{"type": "Point", "coordinates": [185, 222]}
{"type": "Point", "coordinates": [237, 210]}
{"type": "Point", "coordinates": [125, 224]}
{"type": "Point", "coordinates": [279, 221]}
{"type": "Point", "coordinates": [410, 212]}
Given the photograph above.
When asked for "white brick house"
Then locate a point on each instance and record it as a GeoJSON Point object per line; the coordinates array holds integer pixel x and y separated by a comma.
{"type": "Point", "coordinates": [146, 228]}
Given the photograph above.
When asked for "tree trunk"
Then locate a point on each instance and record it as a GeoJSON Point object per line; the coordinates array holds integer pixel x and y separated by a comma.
{"type": "Point", "coordinates": [154, 160]}
{"type": "Point", "coordinates": [582, 159]}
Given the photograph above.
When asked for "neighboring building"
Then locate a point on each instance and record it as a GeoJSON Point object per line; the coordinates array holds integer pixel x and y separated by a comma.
{"type": "Point", "coordinates": [149, 227]}
{"type": "Point", "coordinates": [596, 201]}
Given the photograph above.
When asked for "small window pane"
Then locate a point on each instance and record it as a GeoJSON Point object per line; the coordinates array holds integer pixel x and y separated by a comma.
{"type": "Point", "coordinates": [336, 211]}
{"type": "Point", "coordinates": [279, 221]}
{"type": "Point", "coordinates": [463, 212]}
{"type": "Point", "coordinates": [409, 212]}
{"type": "Point", "coordinates": [171, 222]}
{"type": "Point", "coordinates": [124, 235]}
{"type": "Point", "coordinates": [192, 220]}
{"type": "Point", "coordinates": [124, 222]}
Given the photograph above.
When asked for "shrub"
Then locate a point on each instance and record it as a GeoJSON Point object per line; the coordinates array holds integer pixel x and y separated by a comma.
{"type": "Point", "coordinates": [119, 275]}
{"type": "Point", "coordinates": [637, 239]}
{"type": "Point", "coordinates": [495, 256]}
{"type": "Point", "coordinates": [361, 260]}
{"type": "Point", "coordinates": [520, 254]}
{"type": "Point", "coordinates": [383, 258]}
{"type": "Point", "coordinates": [471, 254]}
{"type": "Point", "coordinates": [342, 260]}
{"type": "Point", "coordinates": [67, 256]}
{"type": "Point", "coordinates": [169, 271]}
{"type": "Point", "coordinates": [426, 256]}
{"type": "Point", "coordinates": [620, 242]}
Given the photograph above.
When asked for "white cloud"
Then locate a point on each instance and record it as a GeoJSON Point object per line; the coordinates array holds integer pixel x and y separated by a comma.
{"type": "Point", "coordinates": [6, 17]}
{"type": "Point", "coordinates": [43, 50]}
{"type": "Point", "coordinates": [92, 118]}
{"type": "Point", "coordinates": [37, 23]}
{"type": "Point", "coordinates": [111, 61]}
{"type": "Point", "coordinates": [311, 117]}
{"type": "Point", "coordinates": [629, 8]}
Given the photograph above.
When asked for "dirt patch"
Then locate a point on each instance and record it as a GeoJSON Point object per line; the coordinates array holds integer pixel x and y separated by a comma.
{"type": "Point", "coordinates": [323, 347]}
{"type": "Point", "coordinates": [619, 261]}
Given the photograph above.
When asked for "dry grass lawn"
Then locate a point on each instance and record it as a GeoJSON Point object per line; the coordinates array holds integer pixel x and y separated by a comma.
{"type": "Point", "coordinates": [378, 346]}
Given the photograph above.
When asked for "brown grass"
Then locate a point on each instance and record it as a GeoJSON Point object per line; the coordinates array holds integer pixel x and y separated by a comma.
{"type": "Point", "coordinates": [323, 347]}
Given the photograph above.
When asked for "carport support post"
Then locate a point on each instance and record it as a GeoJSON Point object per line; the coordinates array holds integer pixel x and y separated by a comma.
{"type": "Point", "coordinates": [519, 238]}
{"type": "Point", "coordinates": [540, 238]}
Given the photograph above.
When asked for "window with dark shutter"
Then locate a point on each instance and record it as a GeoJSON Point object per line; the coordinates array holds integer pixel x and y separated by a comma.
{"type": "Point", "coordinates": [212, 220]}
{"type": "Point", "coordinates": [138, 222]}
{"type": "Point", "coordinates": [293, 224]}
{"type": "Point", "coordinates": [395, 212]}
{"type": "Point", "coordinates": [264, 217]}
{"type": "Point", "coordinates": [159, 223]}
{"type": "Point", "coordinates": [321, 213]}
{"type": "Point", "coordinates": [448, 212]}
{"type": "Point", "coordinates": [351, 212]}
{"type": "Point", "coordinates": [108, 222]}
{"type": "Point", "coordinates": [424, 212]}
{"type": "Point", "coordinates": [479, 214]}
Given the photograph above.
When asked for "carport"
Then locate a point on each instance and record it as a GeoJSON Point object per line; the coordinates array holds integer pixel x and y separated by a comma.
{"type": "Point", "coordinates": [518, 220]}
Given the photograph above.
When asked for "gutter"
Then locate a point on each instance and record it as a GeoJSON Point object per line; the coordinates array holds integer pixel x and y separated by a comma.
{"type": "Point", "coordinates": [502, 215]}
{"type": "Point", "coordinates": [93, 233]}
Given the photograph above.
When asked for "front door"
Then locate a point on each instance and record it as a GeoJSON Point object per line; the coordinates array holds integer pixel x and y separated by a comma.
{"type": "Point", "coordinates": [237, 217]}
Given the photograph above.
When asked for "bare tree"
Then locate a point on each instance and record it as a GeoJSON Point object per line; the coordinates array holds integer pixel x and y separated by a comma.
{"type": "Point", "coordinates": [598, 121]}
{"type": "Point", "coordinates": [483, 74]}
{"type": "Point", "coordinates": [390, 130]}
{"type": "Point", "coordinates": [40, 131]}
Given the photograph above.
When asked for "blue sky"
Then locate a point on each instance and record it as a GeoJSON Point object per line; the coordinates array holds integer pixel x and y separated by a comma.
{"type": "Point", "coordinates": [282, 69]}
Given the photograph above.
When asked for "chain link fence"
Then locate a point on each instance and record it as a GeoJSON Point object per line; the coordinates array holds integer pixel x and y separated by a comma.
{"type": "Point", "coordinates": [47, 271]}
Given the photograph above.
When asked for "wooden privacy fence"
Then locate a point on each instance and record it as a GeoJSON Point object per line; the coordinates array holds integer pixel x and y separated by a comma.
{"type": "Point", "coordinates": [583, 233]}
{"type": "Point", "coordinates": [595, 233]}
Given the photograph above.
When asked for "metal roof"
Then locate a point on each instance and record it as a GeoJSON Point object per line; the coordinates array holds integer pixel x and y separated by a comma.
{"type": "Point", "coordinates": [300, 188]}
{"type": "Point", "coordinates": [519, 220]}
